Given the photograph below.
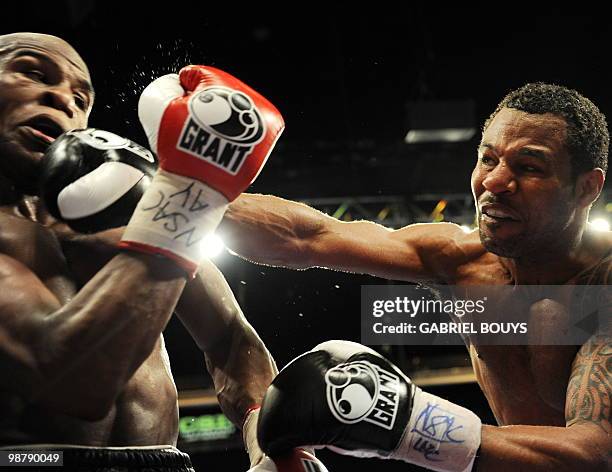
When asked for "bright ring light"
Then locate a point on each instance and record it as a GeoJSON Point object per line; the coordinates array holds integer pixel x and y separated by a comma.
{"type": "Point", "coordinates": [211, 246]}
{"type": "Point", "coordinates": [600, 224]}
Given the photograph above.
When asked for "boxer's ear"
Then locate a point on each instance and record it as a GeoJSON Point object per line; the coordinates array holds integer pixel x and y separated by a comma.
{"type": "Point", "coordinates": [588, 187]}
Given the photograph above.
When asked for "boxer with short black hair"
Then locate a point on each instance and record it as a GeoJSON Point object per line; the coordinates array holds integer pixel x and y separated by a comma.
{"type": "Point", "coordinates": [82, 357]}
{"type": "Point", "coordinates": [541, 165]}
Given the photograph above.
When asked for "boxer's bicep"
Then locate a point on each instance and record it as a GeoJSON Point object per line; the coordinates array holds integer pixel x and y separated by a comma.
{"type": "Point", "coordinates": [24, 303]}
{"type": "Point", "coordinates": [589, 391]}
{"type": "Point", "coordinates": [418, 252]}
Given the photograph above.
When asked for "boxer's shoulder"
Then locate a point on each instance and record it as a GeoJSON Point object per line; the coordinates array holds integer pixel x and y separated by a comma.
{"type": "Point", "coordinates": [597, 266]}
{"type": "Point", "coordinates": [460, 255]}
{"type": "Point", "coordinates": [32, 262]}
{"type": "Point", "coordinates": [483, 268]}
{"type": "Point", "coordinates": [440, 239]}
{"type": "Point", "coordinates": [18, 233]}
{"type": "Point", "coordinates": [599, 242]}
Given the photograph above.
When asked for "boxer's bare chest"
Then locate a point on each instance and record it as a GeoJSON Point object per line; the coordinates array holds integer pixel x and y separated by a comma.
{"type": "Point", "coordinates": [144, 414]}
{"type": "Point", "coordinates": [524, 384]}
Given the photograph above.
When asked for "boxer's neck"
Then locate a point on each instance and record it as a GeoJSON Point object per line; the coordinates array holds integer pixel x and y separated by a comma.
{"type": "Point", "coordinates": [17, 202]}
{"type": "Point", "coordinates": [31, 207]}
{"type": "Point", "coordinates": [552, 265]}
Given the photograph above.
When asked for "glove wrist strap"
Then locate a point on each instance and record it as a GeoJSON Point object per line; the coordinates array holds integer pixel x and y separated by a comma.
{"type": "Point", "coordinates": [440, 435]}
{"type": "Point", "coordinates": [173, 217]}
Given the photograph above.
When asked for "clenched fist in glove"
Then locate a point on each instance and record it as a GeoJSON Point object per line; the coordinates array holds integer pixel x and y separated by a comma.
{"type": "Point", "coordinates": [212, 134]}
{"type": "Point", "coordinates": [347, 397]}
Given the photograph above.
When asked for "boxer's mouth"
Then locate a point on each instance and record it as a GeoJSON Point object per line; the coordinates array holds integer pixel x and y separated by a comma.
{"type": "Point", "coordinates": [44, 128]}
{"type": "Point", "coordinates": [499, 212]}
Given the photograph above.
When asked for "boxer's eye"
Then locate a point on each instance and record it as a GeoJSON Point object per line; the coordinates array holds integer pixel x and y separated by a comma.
{"type": "Point", "coordinates": [532, 169]}
{"type": "Point", "coordinates": [486, 160]}
{"type": "Point", "coordinates": [80, 102]}
{"type": "Point", "coordinates": [35, 75]}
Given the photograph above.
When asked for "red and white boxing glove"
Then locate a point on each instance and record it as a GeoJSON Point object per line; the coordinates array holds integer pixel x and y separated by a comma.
{"type": "Point", "coordinates": [297, 460]}
{"type": "Point", "coordinates": [212, 134]}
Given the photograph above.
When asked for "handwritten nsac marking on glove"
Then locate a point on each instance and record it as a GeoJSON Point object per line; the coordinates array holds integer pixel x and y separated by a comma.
{"type": "Point", "coordinates": [434, 425]}
{"type": "Point", "coordinates": [175, 210]}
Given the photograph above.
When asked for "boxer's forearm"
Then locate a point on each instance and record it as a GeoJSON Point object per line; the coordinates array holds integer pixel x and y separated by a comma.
{"type": "Point", "coordinates": [242, 369]}
{"type": "Point", "coordinates": [239, 363]}
{"type": "Point", "coordinates": [210, 313]}
{"type": "Point", "coordinates": [271, 230]}
{"type": "Point", "coordinates": [207, 307]}
{"type": "Point", "coordinates": [261, 228]}
{"type": "Point", "coordinates": [544, 448]}
{"type": "Point", "coordinates": [93, 345]}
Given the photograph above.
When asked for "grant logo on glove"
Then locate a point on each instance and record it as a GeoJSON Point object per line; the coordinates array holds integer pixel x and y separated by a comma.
{"type": "Point", "coordinates": [361, 391]}
{"type": "Point", "coordinates": [212, 134]}
{"type": "Point", "coordinates": [223, 128]}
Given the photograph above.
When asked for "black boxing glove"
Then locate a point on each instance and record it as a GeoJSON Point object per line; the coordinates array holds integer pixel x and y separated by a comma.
{"type": "Point", "coordinates": [93, 179]}
{"type": "Point", "coordinates": [349, 398]}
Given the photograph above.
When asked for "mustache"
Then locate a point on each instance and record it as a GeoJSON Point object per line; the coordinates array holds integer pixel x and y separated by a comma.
{"type": "Point", "coordinates": [494, 200]}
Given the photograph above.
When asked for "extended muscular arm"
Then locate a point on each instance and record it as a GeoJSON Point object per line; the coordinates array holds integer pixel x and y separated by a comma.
{"type": "Point", "coordinates": [271, 230]}
{"type": "Point", "coordinates": [76, 358]}
{"type": "Point", "coordinates": [584, 444]}
{"type": "Point", "coordinates": [240, 365]}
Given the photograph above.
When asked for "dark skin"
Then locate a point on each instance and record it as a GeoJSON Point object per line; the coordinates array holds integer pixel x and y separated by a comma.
{"type": "Point", "coordinates": [552, 401]}
{"type": "Point", "coordinates": [81, 349]}
{"type": "Point", "coordinates": [236, 358]}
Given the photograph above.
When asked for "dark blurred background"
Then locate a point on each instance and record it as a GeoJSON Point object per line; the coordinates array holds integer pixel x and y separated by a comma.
{"type": "Point", "coordinates": [350, 82]}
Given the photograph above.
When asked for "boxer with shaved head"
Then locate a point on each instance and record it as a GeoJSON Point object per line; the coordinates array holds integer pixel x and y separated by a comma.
{"type": "Point", "coordinates": [82, 358]}
{"type": "Point", "coordinates": [45, 89]}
